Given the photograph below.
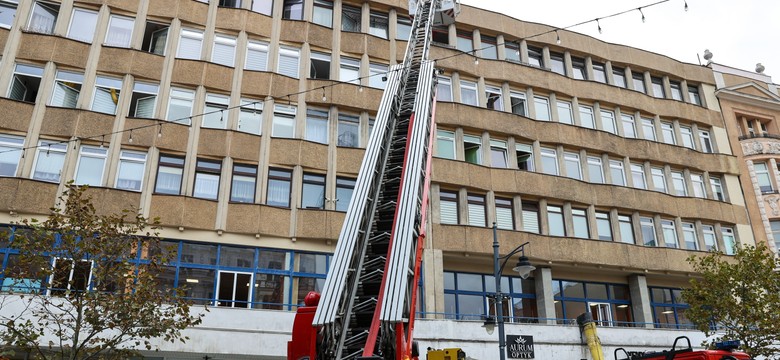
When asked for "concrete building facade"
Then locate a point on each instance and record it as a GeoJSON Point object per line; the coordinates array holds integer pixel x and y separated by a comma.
{"type": "Point", "coordinates": [242, 124]}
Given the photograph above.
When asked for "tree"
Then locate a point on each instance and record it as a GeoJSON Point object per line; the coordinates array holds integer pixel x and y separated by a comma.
{"type": "Point", "coordinates": [83, 285]}
{"type": "Point", "coordinates": [738, 297]}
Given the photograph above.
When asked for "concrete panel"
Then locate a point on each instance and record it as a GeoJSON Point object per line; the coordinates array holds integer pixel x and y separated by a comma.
{"type": "Point", "coordinates": [353, 43]}
{"type": "Point", "coordinates": [184, 211]}
{"type": "Point", "coordinates": [258, 219]}
{"type": "Point", "coordinates": [256, 83]}
{"type": "Point", "coordinates": [188, 11]}
{"type": "Point", "coordinates": [218, 77]}
{"type": "Point", "coordinates": [4, 37]}
{"type": "Point", "coordinates": [214, 142]}
{"type": "Point", "coordinates": [292, 152]}
{"type": "Point", "coordinates": [15, 115]}
{"type": "Point", "coordinates": [110, 201]}
{"type": "Point", "coordinates": [27, 196]}
{"type": "Point", "coordinates": [293, 31]}
{"type": "Point", "coordinates": [61, 50]}
{"type": "Point", "coordinates": [188, 72]}
{"type": "Point", "coordinates": [64, 122]}
{"type": "Point", "coordinates": [348, 160]}
{"type": "Point", "coordinates": [245, 146]}
{"type": "Point", "coordinates": [145, 136]}
{"type": "Point", "coordinates": [257, 25]}
{"type": "Point", "coordinates": [320, 36]}
{"type": "Point", "coordinates": [231, 19]}
{"type": "Point", "coordinates": [319, 224]}
{"type": "Point", "coordinates": [378, 48]}
{"type": "Point", "coordinates": [127, 5]}
{"type": "Point", "coordinates": [140, 64]}
{"type": "Point", "coordinates": [343, 95]}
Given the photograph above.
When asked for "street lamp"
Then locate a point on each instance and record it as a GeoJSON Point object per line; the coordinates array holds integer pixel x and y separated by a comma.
{"type": "Point", "coordinates": [523, 268]}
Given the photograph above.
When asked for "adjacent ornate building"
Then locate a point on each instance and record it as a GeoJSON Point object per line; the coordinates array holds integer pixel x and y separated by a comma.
{"type": "Point", "coordinates": [242, 124]}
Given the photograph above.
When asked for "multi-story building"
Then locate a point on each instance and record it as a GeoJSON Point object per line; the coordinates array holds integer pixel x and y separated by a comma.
{"type": "Point", "coordinates": [242, 124]}
{"type": "Point", "coordinates": [751, 107]}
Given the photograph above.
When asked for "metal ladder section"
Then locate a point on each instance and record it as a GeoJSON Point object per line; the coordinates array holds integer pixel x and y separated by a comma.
{"type": "Point", "coordinates": [383, 218]}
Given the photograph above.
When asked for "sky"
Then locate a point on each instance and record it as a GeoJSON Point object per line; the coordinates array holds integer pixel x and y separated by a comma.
{"type": "Point", "coordinates": [739, 33]}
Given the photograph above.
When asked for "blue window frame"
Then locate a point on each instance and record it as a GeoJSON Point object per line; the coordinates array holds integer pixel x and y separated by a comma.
{"type": "Point", "coordinates": [669, 308]}
{"type": "Point", "coordinates": [466, 297]}
{"type": "Point", "coordinates": [610, 304]}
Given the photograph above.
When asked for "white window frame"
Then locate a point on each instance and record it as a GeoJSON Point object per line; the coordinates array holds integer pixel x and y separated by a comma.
{"type": "Point", "coordinates": [648, 129]}
{"type": "Point", "coordinates": [125, 43]}
{"type": "Point", "coordinates": [697, 182]}
{"type": "Point", "coordinates": [686, 134]}
{"type": "Point", "coordinates": [572, 162]}
{"type": "Point", "coordinates": [42, 28]}
{"type": "Point", "coordinates": [316, 115]}
{"type": "Point", "coordinates": [141, 87]}
{"type": "Point", "coordinates": [476, 140]}
{"type": "Point", "coordinates": [549, 153]}
{"type": "Point", "coordinates": [588, 112]}
{"type": "Point", "coordinates": [180, 94]}
{"type": "Point", "coordinates": [349, 70]}
{"type": "Point", "coordinates": [92, 152]}
{"type": "Point", "coordinates": [710, 239]}
{"type": "Point", "coordinates": [376, 72]}
{"type": "Point", "coordinates": [668, 129]}
{"type": "Point", "coordinates": [254, 109]}
{"type": "Point", "coordinates": [289, 53]}
{"type": "Point", "coordinates": [471, 87]}
{"type": "Point", "coordinates": [498, 105]}
{"type": "Point", "coordinates": [542, 102]}
{"type": "Point", "coordinates": [689, 230]}
{"type": "Point", "coordinates": [659, 179]}
{"type": "Point", "coordinates": [131, 157]}
{"type": "Point", "coordinates": [94, 25]}
{"type": "Point", "coordinates": [191, 36]}
{"type": "Point", "coordinates": [649, 223]}
{"type": "Point", "coordinates": [669, 231]}
{"type": "Point", "coordinates": [717, 189]}
{"type": "Point", "coordinates": [498, 147]}
{"type": "Point", "coordinates": [107, 84]}
{"type": "Point", "coordinates": [522, 100]}
{"type": "Point", "coordinates": [705, 141]}
{"type": "Point", "coordinates": [565, 114]}
{"type": "Point", "coordinates": [257, 49]}
{"type": "Point", "coordinates": [7, 154]}
{"type": "Point", "coordinates": [284, 116]}
{"type": "Point", "coordinates": [227, 57]}
{"type": "Point", "coordinates": [47, 148]}
{"type": "Point", "coordinates": [64, 78]}
{"type": "Point", "coordinates": [638, 175]}
{"type": "Point", "coordinates": [629, 126]}
{"type": "Point", "coordinates": [445, 137]}
{"type": "Point", "coordinates": [617, 166]}
{"type": "Point", "coordinates": [215, 120]}
{"type": "Point", "coordinates": [608, 121]}
{"type": "Point", "coordinates": [678, 178]}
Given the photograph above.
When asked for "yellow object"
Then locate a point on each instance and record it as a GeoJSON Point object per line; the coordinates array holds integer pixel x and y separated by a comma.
{"type": "Point", "coordinates": [445, 354]}
{"type": "Point", "coordinates": [594, 344]}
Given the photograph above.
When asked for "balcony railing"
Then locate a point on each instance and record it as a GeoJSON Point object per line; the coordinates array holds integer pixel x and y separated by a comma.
{"type": "Point", "coordinates": [755, 136]}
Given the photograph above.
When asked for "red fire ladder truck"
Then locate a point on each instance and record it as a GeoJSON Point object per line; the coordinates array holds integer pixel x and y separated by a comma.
{"type": "Point", "coordinates": [723, 351]}
{"type": "Point", "coordinates": [366, 309]}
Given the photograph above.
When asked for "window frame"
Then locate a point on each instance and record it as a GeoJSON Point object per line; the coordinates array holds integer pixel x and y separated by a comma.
{"type": "Point", "coordinates": [244, 171]}
{"type": "Point", "coordinates": [131, 157]}
{"type": "Point", "coordinates": [171, 162]}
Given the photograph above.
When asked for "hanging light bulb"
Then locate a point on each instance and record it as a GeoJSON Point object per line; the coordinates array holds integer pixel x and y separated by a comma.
{"type": "Point", "coordinates": [686, 5]}
{"type": "Point", "coordinates": [159, 130]}
{"type": "Point", "coordinates": [323, 94]}
{"type": "Point", "coordinates": [222, 115]}
{"type": "Point", "coordinates": [131, 136]}
{"type": "Point", "coordinates": [476, 60]}
{"type": "Point", "coordinates": [599, 25]}
{"type": "Point", "coordinates": [557, 38]}
{"type": "Point", "coordinates": [643, 14]}
{"type": "Point", "coordinates": [48, 148]}
{"type": "Point", "coordinates": [360, 89]}
{"type": "Point", "coordinates": [102, 140]}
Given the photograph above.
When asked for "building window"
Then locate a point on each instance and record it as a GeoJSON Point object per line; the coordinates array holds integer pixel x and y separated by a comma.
{"type": "Point", "coordinates": [42, 19]}
{"type": "Point", "coordinates": [169, 175]}
{"type": "Point", "coordinates": [155, 38]}
{"type": "Point", "coordinates": [535, 57]}
{"type": "Point", "coordinates": [207, 179]}
{"type": "Point", "coordinates": [629, 127]}
{"type": "Point", "coordinates": [762, 177]}
{"type": "Point", "coordinates": [678, 180]}
{"type": "Point", "coordinates": [717, 189]}
{"type": "Point", "coordinates": [349, 70]}
{"type": "Point", "coordinates": [676, 90]}
{"type": "Point", "coordinates": [610, 305]}
{"type": "Point", "coordinates": [659, 179]}
{"type": "Point", "coordinates": [283, 121]}
{"type": "Point", "coordinates": [687, 137]}
{"type": "Point", "coordinates": [476, 208]}
{"type": "Point", "coordinates": [376, 73]}
{"type": "Point", "coordinates": [250, 116]}
{"type": "Point", "coordinates": [595, 170]}
{"type": "Point", "coordinates": [619, 77]}
{"type": "Point", "coordinates": [518, 103]}
{"type": "Point", "coordinates": [313, 193]}
{"type": "Point", "coordinates": [608, 121]}
{"type": "Point", "coordinates": [215, 114]}
{"type": "Point", "coordinates": [542, 107]}
{"type": "Point", "coordinates": [25, 83]}
{"type": "Point", "coordinates": [603, 226]}
{"type": "Point", "coordinates": [467, 297]}
{"type": "Point", "coordinates": [465, 41]}
{"type": "Point", "coordinates": [132, 165]}
{"type": "Point", "coordinates": [525, 157]}
{"type": "Point", "coordinates": [444, 89]}
{"type": "Point", "coordinates": [658, 87]}
{"type": "Point", "coordinates": [689, 236]}
{"type": "Point", "coordinates": [706, 142]}
{"type": "Point", "coordinates": [670, 233]}
{"type": "Point", "coordinates": [648, 128]}
{"type": "Point", "coordinates": [565, 114]}
{"type": "Point", "coordinates": [697, 181]}
{"type": "Point", "coordinates": [573, 167]}
{"type": "Point", "coordinates": [556, 63]}
{"type": "Point", "coordinates": [378, 24]}
{"type": "Point", "coordinates": [531, 217]}
{"type": "Point", "coordinates": [190, 44]}
{"type": "Point", "coordinates": [498, 157]}
{"type": "Point", "coordinates": [317, 125]}
{"type": "Point", "coordinates": [230, 3]}
{"type": "Point", "coordinates": [710, 242]}
{"type": "Point", "coordinates": [555, 221]}
{"type": "Point", "coordinates": [468, 93]}
{"type": "Point", "coordinates": [257, 57]}
{"type": "Point", "coordinates": [578, 69]}
{"type": "Point", "coordinates": [91, 163]}
{"type": "Point", "coordinates": [320, 66]}
{"type": "Point", "coordinates": [350, 18]}
{"type": "Point", "coordinates": [67, 87]}
{"type": "Point", "coordinates": [292, 10]}
{"type": "Point", "coordinates": [648, 231]}
{"type": "Point", "coordinates": [242, 187]}
{"type": "Point", "coordinates": [489, 48]}
{"type": "Point", "coordinates": [445, 144]}
{"type": "Point", "coordinates": [49, 158]}
{"type": "Point", "coordinates": [669, 308]}
{"type": "Point", "coordinates": [504, 214]}
{"type": "Point", "coordinates": [263, 6]}
{"type": "Point", "coordinates": [441, 35]}
{"type": "Point", "coordinates": [586, 117]}
{"type": "Point", "coordinates": [512, 51]}
{"type": "Point", "coordinates": [549, 161]}
{"type": "Point", "coordinates": [279, 187]}
{"type": "Point", "coordinates": [68, 275]}
{"type": "Point", "coordinates": [579, 220]}
{"type": "Point", "coordinates": [322, 13]}
{"type": "Point", "coordinates": [599, 72]}
{"type": "Point", "coordinates": [639, 82]}
{"type": "Point", "coordinates": [288, 61]}
{"type": "Point", "coordinates": [11, 148]}
{"type": "Point", "coordinates": [617, 172]}
{"type": "Point", "coordinates": [693, 95]}
{"type": "Point", "coordinates": [82, 25]}
{"type": "Point", "coordinates": [729, 241]}
{"type": "Point", "coordinates": [106, 94]}
{"type": "Point", "coordinates": [626, 229]}
{"type": "Point", "coordinates": [448, 207]}
{"type": "Point", "coordinates": [344, 189]}
{"type": "Point", "coordinates": [403, 28]}
{"type": "Point", "coordinates": [495, 100]}
{"type": "Point", "coordinates": [638, 175]}
{"type": "Point", "coordinates": [667, 130]}
{"type": "Point", "coordinates": [349, 130]}
{"type": "Point", "coordinates": [472, 147]}
{"type": "Point", "coordinates": [233, 289]}
{"type": "Point", "coordinates": [143, 101]}
{"type": "Point", "coordinates": [224, 51]}
{"type": "Point", "coordinates": [120, 30]}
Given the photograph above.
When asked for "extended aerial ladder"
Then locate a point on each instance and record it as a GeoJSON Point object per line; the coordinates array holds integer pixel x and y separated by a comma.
{"type": "Point", "coordinates": [366, 310]}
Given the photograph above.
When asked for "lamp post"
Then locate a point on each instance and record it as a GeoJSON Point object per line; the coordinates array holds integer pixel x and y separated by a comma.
{"type": "Point", "coordinates": [523, 268]}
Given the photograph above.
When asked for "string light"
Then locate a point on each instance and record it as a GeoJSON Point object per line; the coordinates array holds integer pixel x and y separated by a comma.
{"type": "Point", "coordinates": [598, 24]}
{"type": "Point", "coordinates": [360, 89]}
{"type": "Point", "coordinates": [686, 5]}
{"type": "Point", "coordinates": [48, 149]}
{"type": "Point", "coordinates": [102, 140]}
{"type": "Point", "coordinates": [159, 130]}
{"type": "Point", "coordinates": [323, 94]}
{"type": "Point", "coordinates": [476, 59]}
{"type": "Point", "coordinates": [131, 136]}
{"type": "Point", "coordinates": [222, 115]}
{"type": "Point", "coordinates": [643, 14]}
{"type": "Point", "coordinates": [557, 38]}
